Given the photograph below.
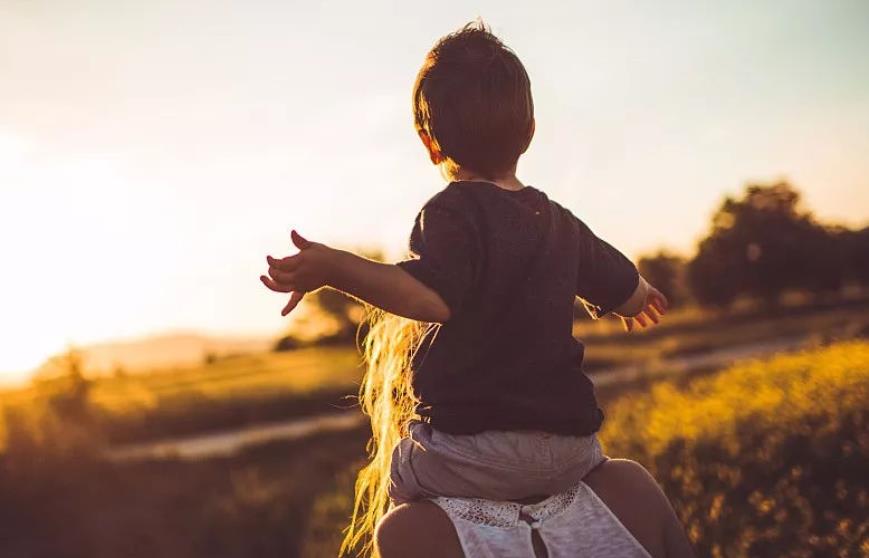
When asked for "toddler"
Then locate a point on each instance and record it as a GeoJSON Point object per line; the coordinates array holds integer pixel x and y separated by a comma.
{"type": "Point", "coordinates": [505, 411]}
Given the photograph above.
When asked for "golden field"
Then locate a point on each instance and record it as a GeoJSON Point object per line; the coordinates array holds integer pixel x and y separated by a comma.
{"type": "Point", "coordinates": [766, 458]}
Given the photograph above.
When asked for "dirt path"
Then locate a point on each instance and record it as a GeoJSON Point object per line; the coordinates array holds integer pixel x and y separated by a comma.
{"type": "Point", "coordinates": [690, 363]}
{"type": "Point", "coordinates": [226, 443]}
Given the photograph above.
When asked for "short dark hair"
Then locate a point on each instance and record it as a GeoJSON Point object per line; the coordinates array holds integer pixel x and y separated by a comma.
{"type": "Point", "coordinates": [473, 98]}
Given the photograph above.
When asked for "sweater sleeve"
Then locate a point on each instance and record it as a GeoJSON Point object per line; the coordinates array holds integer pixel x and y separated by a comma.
{"type": "Point", "coordinates": [443, 253]}
{"type": "Point", "coordinates": [606, 278]}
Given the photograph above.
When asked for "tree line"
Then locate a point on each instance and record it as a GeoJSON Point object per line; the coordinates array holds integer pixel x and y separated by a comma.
{"type": "Point", "coordinates": [762, 246]}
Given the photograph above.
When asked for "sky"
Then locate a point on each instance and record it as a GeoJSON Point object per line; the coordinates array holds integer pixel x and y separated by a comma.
{"type": "Point", "coordinates": [152, 153]}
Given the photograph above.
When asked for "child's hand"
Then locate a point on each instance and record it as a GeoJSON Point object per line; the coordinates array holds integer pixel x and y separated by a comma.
{"type": "Point", "coordinates": [654, 306]}
{"type": "Point", "coordinates": [300, 273]}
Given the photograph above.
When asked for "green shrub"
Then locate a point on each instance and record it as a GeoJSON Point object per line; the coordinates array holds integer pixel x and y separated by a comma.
{"type": "Point", "coordinates": [767, 458]}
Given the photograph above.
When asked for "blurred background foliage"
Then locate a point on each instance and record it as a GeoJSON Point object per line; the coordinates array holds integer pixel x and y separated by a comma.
{"type": "Point", "coordinates": [765, 245]}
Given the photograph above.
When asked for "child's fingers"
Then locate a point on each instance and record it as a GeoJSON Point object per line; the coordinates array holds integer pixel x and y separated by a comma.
{"type": "Point", "coordinates": [657, 303]}
{"type": "Point", "coordinates": [640, 319]}
{"type": "Point", "coordinates": [628, 324]}
{"type": "Point", "coordinates": [295, 298]}
{"type": "Point", "coordinates": [282, 276]}
{"type": "Point", "coordinates": [290, 263]}
{"type": "Point", "coordinates": [299, 241]}
{"type": "Point", "coordinates": [277, 287]}
{"type": "Point", "coordinates": [660, 301]}
{"type": "Point", "coordinates": [650, 312]}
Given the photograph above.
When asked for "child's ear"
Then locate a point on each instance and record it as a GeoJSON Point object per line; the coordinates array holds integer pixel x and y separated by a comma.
{"type": "Point", "coordinates": [434, 152]}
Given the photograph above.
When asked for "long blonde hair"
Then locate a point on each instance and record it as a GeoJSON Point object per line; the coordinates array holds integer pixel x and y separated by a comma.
{"type": "Point", "coordinates": [387, 398]}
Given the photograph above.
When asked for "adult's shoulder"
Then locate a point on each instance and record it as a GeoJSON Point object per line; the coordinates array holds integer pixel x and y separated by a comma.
{"type": "Point", "coordinates": [634, 497]}
{"type": "Point", "coordinates": [421, 529]}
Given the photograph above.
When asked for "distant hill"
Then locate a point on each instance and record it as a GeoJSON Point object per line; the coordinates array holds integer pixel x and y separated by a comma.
{"type": "Point", "coordinates": [164, 351]}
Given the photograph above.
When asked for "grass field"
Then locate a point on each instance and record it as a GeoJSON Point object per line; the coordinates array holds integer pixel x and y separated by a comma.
{"type": "Point", "coordinates": [225, 393]}
{"type": "Point", "coordinates": [254, 504]}
{"type": "Point", "coordinates": [690, 331]}
{"type": "Point", "coordinates": [766, 458]}
{"type": "Point", "coordinates": [243, 390]}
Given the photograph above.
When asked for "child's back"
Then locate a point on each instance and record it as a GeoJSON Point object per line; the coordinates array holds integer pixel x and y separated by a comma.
{"type": "Point", "coordinates": [509, 264]}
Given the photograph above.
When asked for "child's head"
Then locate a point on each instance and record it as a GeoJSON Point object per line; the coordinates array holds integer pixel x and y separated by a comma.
{"type": "Point", "coordinates": [472, 104]}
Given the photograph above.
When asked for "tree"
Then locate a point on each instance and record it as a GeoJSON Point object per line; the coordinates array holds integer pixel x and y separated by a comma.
{"type": "Point", "coordinates": [61, 379]}
{"type": "Point", "coordinates": [761, 245]}
{"type": "Point", "coordinates": [855, 252]}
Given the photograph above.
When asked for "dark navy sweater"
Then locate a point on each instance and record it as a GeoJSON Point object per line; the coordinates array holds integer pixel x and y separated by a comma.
{"type": "Point", "coordinates": [509, 264]}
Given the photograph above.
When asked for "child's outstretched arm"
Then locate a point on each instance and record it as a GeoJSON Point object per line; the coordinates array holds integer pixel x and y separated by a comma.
{"type": "Point", "coordinates": [385, 286]}
{"type": "Point", "coordinates": [645, 306]}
